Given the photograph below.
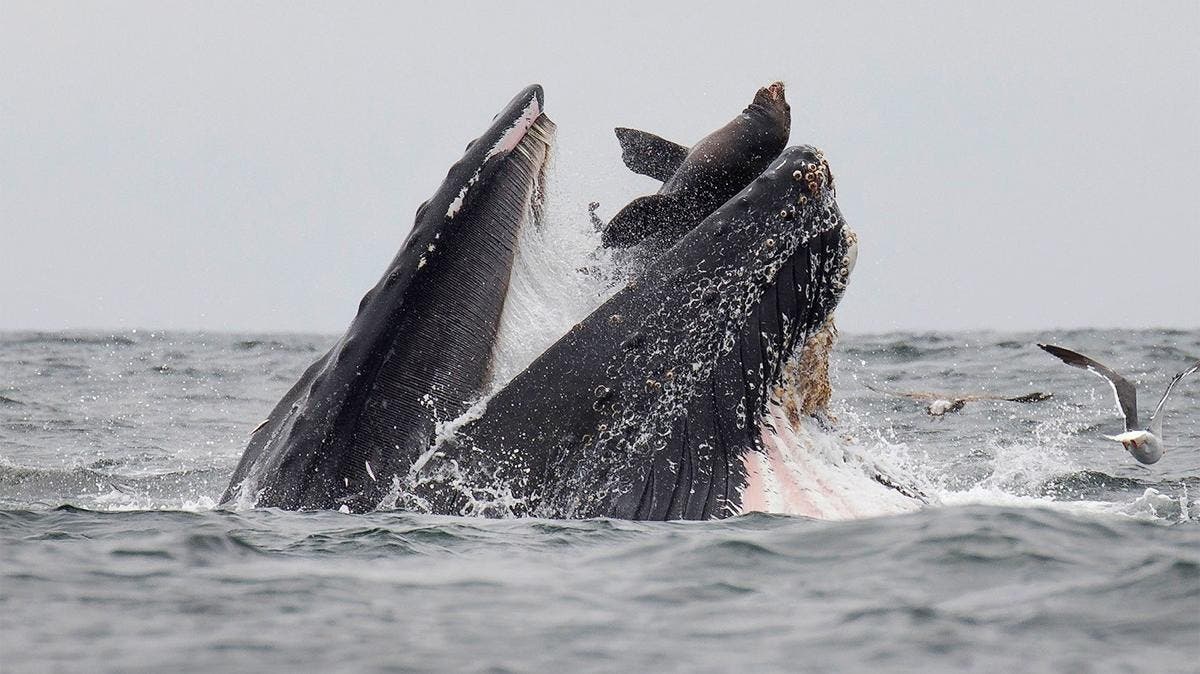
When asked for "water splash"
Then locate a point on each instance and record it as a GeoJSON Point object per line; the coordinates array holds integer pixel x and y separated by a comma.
{"type": "Point", "coordinates": [560, 275]}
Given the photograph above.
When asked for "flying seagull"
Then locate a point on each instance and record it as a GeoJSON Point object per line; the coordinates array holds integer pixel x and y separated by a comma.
{"type": "Point", "coordinates": [940, 403]}
{"type": "Point", "coordinates": [1145, 445]}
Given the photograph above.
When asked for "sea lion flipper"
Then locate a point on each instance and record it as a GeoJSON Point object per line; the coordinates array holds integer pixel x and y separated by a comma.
{"type": "Point", "coordinates": [642, 217]}
{"type": "Point", "coordinates": [649, 155]}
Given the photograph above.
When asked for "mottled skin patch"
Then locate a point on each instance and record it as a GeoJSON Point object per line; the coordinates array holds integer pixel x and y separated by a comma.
{"type": "Point", "coordinates": [807, 378]}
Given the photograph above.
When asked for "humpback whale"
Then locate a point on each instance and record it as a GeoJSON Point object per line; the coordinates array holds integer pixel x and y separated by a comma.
{"type": "Point", "coordinates": [655, 405]}
{"type": "Point", "coordinates": [420, 346]}
{"type": "Point", "coordinates": [683, 396]}
{"type": "Point", "coordinates": [698, 180]}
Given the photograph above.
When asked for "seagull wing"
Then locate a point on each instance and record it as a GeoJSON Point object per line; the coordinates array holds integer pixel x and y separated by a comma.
{"type": "Point", "coordinates": [1035, 397]}
{"type": "Point", "coordinates": [1155, 419]}
{"type": "Point", "coordinates": [1125, 391]}
{"type": "Point", "coordinates": [912, 395]}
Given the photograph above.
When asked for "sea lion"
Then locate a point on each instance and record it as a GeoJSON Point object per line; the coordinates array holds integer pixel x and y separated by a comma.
{"type": "Point", "coordinates": [697, 181]}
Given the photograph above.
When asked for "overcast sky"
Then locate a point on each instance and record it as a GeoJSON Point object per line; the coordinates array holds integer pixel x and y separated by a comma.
{"type": "Point", "coordinates": [237, 166]}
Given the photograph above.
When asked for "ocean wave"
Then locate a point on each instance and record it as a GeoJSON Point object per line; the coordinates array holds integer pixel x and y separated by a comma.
{"type": "Point", "coordinates": [103, 486]}
{"type": "Point", "coordinates": [58, 338]}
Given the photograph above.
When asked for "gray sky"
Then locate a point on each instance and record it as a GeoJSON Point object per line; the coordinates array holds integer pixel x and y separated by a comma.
{"type": "Point", "coordinates": [230, 166]}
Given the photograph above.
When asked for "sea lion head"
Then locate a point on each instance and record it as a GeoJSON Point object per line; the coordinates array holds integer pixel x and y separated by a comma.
{"type": "Point", "coordinates": [771, 94]}
{"type": "Point", "coordinates": [771, 101]}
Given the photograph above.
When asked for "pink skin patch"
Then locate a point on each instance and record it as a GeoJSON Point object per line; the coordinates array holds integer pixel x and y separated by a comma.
{"type": "Point", "coordinates": [794, 496]}
{"type": "Point", "coordinates": [754, 498]}
{"type": "Point", "coordinates": [507, 142]}
{"type": "Point", "coordinates": [517, 131]}
{"type": "Point", "coordinates": [774, 479]}
{"type": "Point", "coordinates": [806, 472]}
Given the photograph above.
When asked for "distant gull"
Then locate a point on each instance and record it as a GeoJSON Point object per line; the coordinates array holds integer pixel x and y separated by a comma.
{"type": "Point", "coordinates": [940, 403]}
{"type": "Point", "coordinates": [1145, 445]}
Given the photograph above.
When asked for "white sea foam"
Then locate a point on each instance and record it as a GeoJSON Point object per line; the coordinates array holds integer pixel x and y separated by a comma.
{"type": "Point", "coordinates": [559, 276]}
{"type": "Point", "coordinates": [118, 500]}
{"type": "Point", "coordinates": [1012, 472]}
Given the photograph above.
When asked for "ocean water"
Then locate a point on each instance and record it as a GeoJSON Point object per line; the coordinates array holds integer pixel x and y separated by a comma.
{"type": "Point", "coordinates": [1047, 548]}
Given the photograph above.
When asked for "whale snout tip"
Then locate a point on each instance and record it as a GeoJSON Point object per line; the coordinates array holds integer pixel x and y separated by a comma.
{"type": "Point", "coordinates": [530, 95]}
{"type": "Point", "coordinates": [537, 92]}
